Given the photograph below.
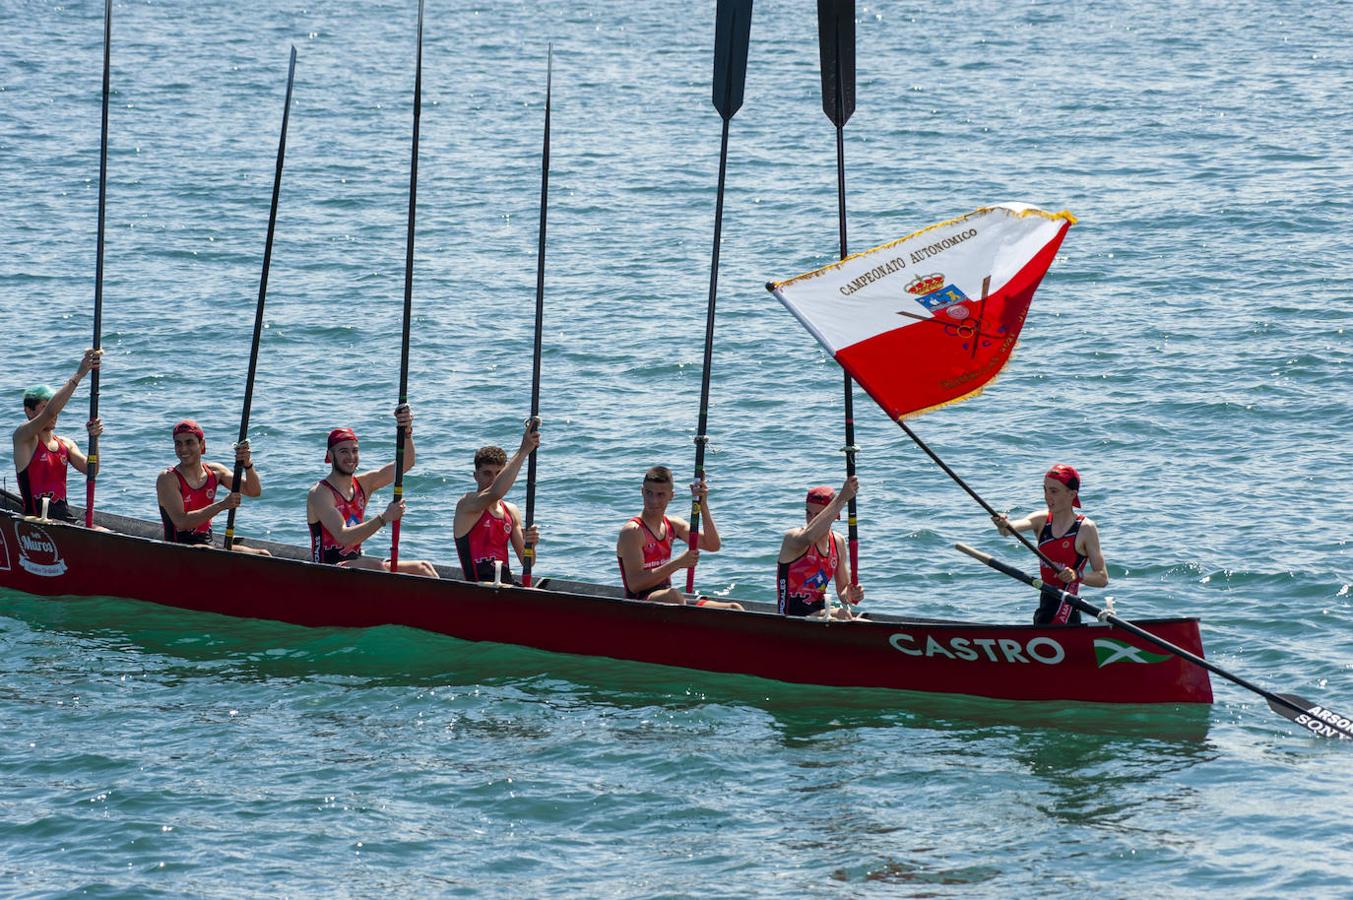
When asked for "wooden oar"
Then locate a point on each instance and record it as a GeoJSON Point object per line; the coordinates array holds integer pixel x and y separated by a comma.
{"type": "Point", "coordinates": [1313, 717]}
{"type": "Point", "coordinates": [408, 292]}
{"type": "Point", "coordinates": [92, 460]}
{"type": "Point", "coordinates": [836, 47]}
{"type": "Point", "coordinates": [732, 32]}
{"type": "Point", "coordinates": [530, 555]}
{"type": "Point", "coordinates": [262, 295]}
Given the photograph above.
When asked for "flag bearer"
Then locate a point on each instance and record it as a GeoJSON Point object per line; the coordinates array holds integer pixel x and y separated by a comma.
{"type": "Point", "coordinates": [1067, 538]}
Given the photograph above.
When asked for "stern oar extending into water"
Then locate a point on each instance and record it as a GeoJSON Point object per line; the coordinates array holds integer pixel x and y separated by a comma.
{"type": "Point", "coordinates": [408, 292]}
{"type": "Point", "coordinates": [92, 460]}
{"type": "Point", "coordinates": [836, 46]}
{"type": "Point", "coordinates": [732, 33]}
{"type": "Point", "coordinates": [262, 294]}
{"type": "Point", "coordinates": [540, 320]}
{"type": "Point", "coordinates": [1312, 716]}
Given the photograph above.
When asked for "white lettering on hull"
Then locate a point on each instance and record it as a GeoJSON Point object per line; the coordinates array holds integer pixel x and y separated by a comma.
{"type": "Point", "coordinates": [1043, 650]}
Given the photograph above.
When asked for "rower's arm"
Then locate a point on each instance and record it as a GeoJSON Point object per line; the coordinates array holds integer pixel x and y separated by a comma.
{"type": "Point", "coordinates": [171, 501]}
{"type": "Point", "coordinates": [1098, 576]}
{"type": "Point", "coordinates": [798, 539]}
{"type": "Point", "coordinates": [1031, 523]}
{"type": "Point", "coordinates": [249, 485]}
{"type": "Point", "coordinates": [323, 510]}
{"type": "Point", "coordinates": [30, 430]}
{"type": "Point", "coordinates": [75, 455]}
{"type": "Point", "coordinates": [518, 539]}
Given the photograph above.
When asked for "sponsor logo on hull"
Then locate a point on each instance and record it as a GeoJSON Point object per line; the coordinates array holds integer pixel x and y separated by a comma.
{"type": "Point", "coordinates": [37, 551]}
{"type": "Point", "coordinates": [1040, 649]}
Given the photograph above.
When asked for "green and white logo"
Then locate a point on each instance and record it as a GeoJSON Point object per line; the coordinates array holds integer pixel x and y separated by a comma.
{"type": "Point", "coordinates": [1108, 650]}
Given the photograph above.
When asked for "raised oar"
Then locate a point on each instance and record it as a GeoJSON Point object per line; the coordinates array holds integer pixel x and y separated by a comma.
{"type": "Point", "coordinates": [836, 47]}
{"type": "Point", "coordinates": [408, 292]}
{"type": "Point", "coordinates": [1313, 717]}
{"type": "Point", "coordinates": [732, 32]}
{"type": "Point", "coordinates": [530, 555]}
{"type": "Point", "coordinates": [92, 463]}
{"type": "Point", "coordinates": [262, 295]}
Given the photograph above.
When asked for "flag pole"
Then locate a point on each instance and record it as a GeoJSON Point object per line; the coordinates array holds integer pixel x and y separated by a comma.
{"type": "Point", "coordinates": [732, 32]}
{"type": "Point", "coordinates": [540, 318]}
{"type": "Point", "coordinates": [408, 293]}
{"type": "Point", "coordinates": [836, 48]}
{"type": "Point", "coordinates": [262, 296]}
{"type": "Point", "coordinates": [92, 460]}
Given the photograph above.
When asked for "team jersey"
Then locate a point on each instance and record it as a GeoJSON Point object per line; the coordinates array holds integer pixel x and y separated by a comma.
{"type": "Point", "coordinates": [323, 547]}
{"type": "Point", "coordinates": [194, 498]}
{"type": "Point", "coordinates": [657, 553]}
{"type": "Point", "coordinates": [45, 476]}
{"type": "Point", "coordinates": [485, 542]}
{"type": "Point", "coordinates": [1061, 550]}
{"type": "Point", "coordinates": [801, 585]}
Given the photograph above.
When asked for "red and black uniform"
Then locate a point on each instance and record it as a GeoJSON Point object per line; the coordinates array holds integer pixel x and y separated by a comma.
{"type": "Point", "coordinates": [194, 498]}
{"type": "Point", "coordinates": [323, 547]}
{"type": "Point", "coordinates": [802, 585]}
{"type": "Point", "coordinates": [487, 541]}
{"type": "Point", "coordinates": [1061, 550]}
{"type": "Point", "coordinates": [45, 476]}
{"type": "Point", "coordinates": [657, 553]}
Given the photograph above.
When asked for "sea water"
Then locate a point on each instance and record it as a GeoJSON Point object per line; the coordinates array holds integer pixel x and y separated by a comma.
{"type": "Point", "coordinates": [1189, 352]}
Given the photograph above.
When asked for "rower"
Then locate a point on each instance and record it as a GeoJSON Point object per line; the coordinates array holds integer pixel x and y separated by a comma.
{"type": "Point", "coordinates": [814, 556]}
{"type": "Point", "coordinates": [336, 505]}
{"type": "Point", "coordinates": [1067, 538]}
{"type": "Point", "coordinates": [484, 522]}
{"type": "Point", "coordinates": [187, 490]}
{"type": "Point", "coordinates": [644, 549]}
{"type": "Point", "coordinates": [40, 455]}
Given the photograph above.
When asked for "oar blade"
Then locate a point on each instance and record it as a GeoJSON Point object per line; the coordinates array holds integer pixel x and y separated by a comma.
{"type": "Point", "coordinates": [836, 46]}
{"type": "Point", "coordinates": [732, 32]}
{"type": "Point", "coordinates": [1315, 718]}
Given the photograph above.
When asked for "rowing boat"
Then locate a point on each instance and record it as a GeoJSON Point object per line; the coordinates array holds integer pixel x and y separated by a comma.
{"type": "Point", "coordinates": [1011, 662]}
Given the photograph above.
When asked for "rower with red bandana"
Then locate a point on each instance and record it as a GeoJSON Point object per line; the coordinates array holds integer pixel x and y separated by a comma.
{"type": "Point", "coordinates": [336, 505]}
{"type": "Point", "coordinates": [1067, 538]}
{"type": "Point", "coordinates": [187, 490]}
{"type": "Point", "coordinates": [41, 456]}
{"type": "Point", "coordinates": [814, 557]}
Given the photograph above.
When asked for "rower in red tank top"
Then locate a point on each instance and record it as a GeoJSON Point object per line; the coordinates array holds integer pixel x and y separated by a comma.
{"type": "Point", "coordinates": [1068, 539]}
{"type": "Point", "coordinates": [194, 498]}
{"type": "Point", "coordinates": [657, 553]}
{"type": "Point", "coordinates": [487, 541]}
{"type": "Point", "coordinates": [811, 561]}
{"type": "Point", "coordinates": [41, 457]}
{"type": "Point", "coordinates": [485, 524]}
{"type": "Point", "coordinates": [644, 548]}
{"type": "Point", "coordinates": [187, 491]}
{"type": "Point", "coordinates": [324, 548]}
{"type": "Point", "coordinates": [45, 476]}
{"type": "Point", "coordinates": [335, 508]}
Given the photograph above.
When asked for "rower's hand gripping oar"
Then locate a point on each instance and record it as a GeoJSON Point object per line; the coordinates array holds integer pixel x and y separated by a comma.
{"type": "Point", "coordinates": [732, 32]}
{"type": "Point", "coordinates": [529, 556]}
{"type": "Point", "coordinates": [408, 292]}
{"type": "Point", "coordinates": [262, 297]}
{"type": "Point", "coordinates": [836, 48]}
{"type": "Point", "coordinates": [1313, 717]}
{"type": "Point", "coordinates": [92, 460]}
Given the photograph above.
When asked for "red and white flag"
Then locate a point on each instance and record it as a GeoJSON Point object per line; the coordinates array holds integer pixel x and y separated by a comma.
{"type": "Point", "coordinates": [909, 320]}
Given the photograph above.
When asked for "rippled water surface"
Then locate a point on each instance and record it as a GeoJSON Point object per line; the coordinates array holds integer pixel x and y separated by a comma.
{"type": "Point", "coordinates": [1189, 352]}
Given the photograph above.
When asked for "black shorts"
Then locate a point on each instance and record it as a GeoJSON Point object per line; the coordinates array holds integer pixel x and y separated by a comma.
{"type": "Point", "coordinates": [801, 606]}
{"type": "Point", "coordinates": [483, 571]}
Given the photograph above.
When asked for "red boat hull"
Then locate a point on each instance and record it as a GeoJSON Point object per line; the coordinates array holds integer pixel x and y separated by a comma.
{"type": "Point", "coordinates": [1013, 662]}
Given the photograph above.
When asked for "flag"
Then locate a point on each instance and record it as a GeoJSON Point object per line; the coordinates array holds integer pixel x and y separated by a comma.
{"type": "Point", "coordinates": [909, 321]}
